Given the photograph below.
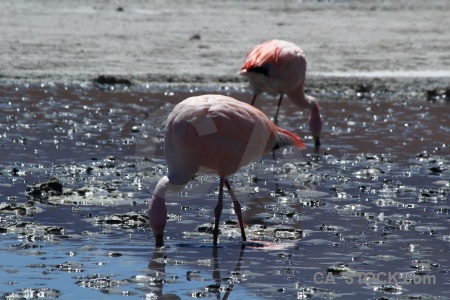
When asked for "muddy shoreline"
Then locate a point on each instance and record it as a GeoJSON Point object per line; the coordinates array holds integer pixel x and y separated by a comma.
{"type": "Point", "coordinates": [203, 43]}
{"type": "Point", "coordinates": [329, 87]}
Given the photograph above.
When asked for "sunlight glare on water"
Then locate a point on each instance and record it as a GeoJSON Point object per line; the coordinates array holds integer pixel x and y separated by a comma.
{"type": "Point", "coordinates": [364, 218]}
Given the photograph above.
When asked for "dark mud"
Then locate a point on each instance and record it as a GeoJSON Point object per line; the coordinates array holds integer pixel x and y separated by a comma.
{"type": "Point", "coordinates": [367, 217]}
{"type": "Point", "coordinates": [350, 87]}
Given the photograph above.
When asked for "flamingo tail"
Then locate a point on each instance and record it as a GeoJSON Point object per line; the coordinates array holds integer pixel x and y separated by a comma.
{"type": "Point", "coordinates": [287, 138]}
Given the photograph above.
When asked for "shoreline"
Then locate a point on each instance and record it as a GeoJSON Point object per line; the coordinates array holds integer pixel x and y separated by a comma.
{"type": "Point", "coordinates": [351, 45]}
{"type": "Point", "coordinates": [329, 86]}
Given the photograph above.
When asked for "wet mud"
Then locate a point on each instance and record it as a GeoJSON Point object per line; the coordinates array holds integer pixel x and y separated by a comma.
{"type": "Point", "coordinates": [366, 217]}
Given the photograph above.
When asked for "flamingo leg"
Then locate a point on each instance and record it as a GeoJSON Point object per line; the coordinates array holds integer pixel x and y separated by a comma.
{"type": "Point", "coordinates": [237, 208]}
{"type": "Point", "coordinates": [275, 119]}
{"type": "Point", "coordinates": [216, 273]}
{"type": "Point", "coordinates": [253, 100]}
{"type": "Point", "coordinates": [218, 212]}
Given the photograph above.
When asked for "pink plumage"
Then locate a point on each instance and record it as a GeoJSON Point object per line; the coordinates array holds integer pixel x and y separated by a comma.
{"type": "Point", "coordinates": [279, 67]}
{"type": "Point", "coordinates": [212, 134]}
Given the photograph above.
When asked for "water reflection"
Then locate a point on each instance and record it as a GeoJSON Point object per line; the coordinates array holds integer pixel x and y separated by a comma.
{"type": "Point", "coordinates": [157, 266]}
{"type": "Point", "coordinates": [218, 278]}
{"type": "Point", "coordinates": [375, 199]}
{"type": "Point", "coordinates": [222, 287]}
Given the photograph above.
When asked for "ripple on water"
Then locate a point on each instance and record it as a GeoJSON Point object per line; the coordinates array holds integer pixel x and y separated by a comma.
{"type": "Point", "coordinates": [374, 200]}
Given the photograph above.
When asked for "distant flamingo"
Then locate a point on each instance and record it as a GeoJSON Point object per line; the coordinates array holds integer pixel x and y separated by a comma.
{"type": "Point", "coordinates": [213, 134]}
{"type": "Point", "coordinates": [279, 67]}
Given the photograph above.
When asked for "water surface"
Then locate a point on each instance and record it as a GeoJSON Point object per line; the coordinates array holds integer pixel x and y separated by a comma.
{"type": "Point", "coordinates": [366, 217]}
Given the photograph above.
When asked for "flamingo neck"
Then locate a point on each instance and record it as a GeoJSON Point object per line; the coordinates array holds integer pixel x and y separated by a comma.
{"type": "Point", "coordinates": [299, 98]}
{"type": "Point", "coordinates": [157, 211]}
{"type": "Point", "coordinates": [315, 122]}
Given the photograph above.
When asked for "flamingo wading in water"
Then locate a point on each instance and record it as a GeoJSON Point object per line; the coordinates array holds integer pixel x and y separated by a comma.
{"type": "Point", "coordinates": [279, 67]}
{"type": "Point", "coordinates": [212, 134]}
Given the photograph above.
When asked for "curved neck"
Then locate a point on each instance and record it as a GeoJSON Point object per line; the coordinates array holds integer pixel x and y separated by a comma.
{"type": "Point", "coordinates": [161, 187]}
{"type": "Point", "coordinates": [157, 211]}
{"type": "Point", "coordinates": [299, 98]}
{"type": "Point", "coordinates": [315, 122]}
{"type": "Point", "coordinates": [166, 185]}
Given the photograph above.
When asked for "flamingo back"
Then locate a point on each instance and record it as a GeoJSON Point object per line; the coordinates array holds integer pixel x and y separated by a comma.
{"type": "Point", "coordinates": [218, 134]}
{"type": "Point", "coordinates": [274, 67]}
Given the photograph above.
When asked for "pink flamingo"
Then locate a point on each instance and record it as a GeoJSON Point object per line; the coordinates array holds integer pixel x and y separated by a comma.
{"type": "Point", "coordinates": [279, 67]}
{"type": "Point", "coordinates": [213, 134]}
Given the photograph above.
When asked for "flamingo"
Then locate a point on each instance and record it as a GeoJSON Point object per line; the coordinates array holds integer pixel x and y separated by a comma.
{"type": "Point", "coordinates": [279, 67]}
{"type": "Point", "coordinates": [212, 134]}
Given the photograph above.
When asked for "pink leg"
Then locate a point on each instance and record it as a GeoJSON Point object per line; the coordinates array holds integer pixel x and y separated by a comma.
{"type": "Point", "coordinates": [218, 212]}
{"type": "Point", "coordinates": [237, 208]}
{"type": "Point", "coordinates": [275, 120]}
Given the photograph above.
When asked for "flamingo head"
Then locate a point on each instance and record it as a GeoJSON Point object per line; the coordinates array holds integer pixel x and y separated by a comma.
{"type": "Point", "coordinates": [157, 216]}
{"type": "Point", "coordinates": [315, 124]}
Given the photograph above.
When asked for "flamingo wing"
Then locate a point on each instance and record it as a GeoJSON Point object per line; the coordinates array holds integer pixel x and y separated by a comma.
{"type": "Point", "coordinates": [219, 134]}
{"type": "Point", "coordinates": [262, 58]}
{"type": "Point", "coordinates": [274, 67]}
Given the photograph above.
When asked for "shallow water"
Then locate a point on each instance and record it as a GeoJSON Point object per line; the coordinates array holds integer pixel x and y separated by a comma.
{"type": "Point", "coordinates": [366, 217]}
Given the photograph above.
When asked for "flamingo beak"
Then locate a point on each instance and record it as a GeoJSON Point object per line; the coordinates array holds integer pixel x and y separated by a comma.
{"type": "Point", "coordinates": [159, 240]}
{"type": "Point", "coordinates": [317, 143]}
